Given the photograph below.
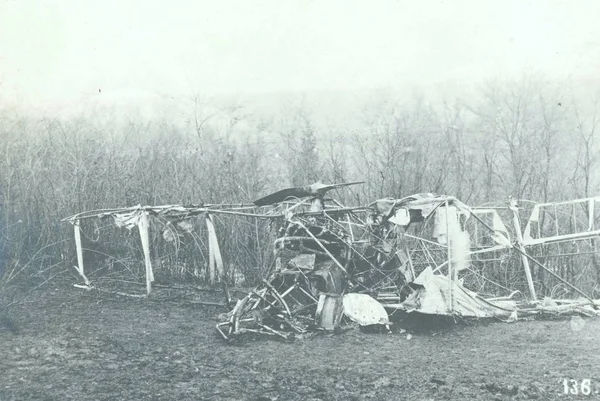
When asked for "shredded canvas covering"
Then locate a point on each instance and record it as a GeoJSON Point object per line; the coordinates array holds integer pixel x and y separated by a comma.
{"type": "Point", "coordinates": [364, 310]}
{"type": "Point", "coordinates": [438, 295]}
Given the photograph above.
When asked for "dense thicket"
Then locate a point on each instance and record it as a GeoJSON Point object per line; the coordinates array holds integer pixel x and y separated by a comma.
{"type": "Point", "coordinates": [527, 139]}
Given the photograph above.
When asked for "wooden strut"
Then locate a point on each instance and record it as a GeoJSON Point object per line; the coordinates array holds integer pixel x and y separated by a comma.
{"type": "Point", "coordinates": [450, 264]}
{"type": "Point", "coordinates": [143, 228]}
{"type": "Point", "coordinates": [79, 267]}
{"type": "Point", "coordinates": [521, 247]}
{"type": "Point", "coordinates": [215, 263]}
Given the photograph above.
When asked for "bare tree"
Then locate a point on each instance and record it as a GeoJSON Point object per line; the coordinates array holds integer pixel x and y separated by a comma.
{"type": "Point", "coordinates": [587, 157]}
{"type": "Point", "coordinates": [524, 130]}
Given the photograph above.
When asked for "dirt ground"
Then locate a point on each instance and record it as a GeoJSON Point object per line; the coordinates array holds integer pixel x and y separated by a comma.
{"type": "Point", "coordinates": [77, 345]}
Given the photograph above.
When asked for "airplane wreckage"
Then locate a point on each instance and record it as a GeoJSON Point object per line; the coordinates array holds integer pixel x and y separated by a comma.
{"type": "Point", "coordinates": [423, 254]}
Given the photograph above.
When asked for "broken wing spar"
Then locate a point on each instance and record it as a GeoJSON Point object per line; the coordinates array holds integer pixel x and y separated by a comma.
{"type": "Point", "coordinates": [138, 216]}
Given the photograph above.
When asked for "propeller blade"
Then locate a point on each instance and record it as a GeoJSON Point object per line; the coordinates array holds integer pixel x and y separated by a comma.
{"type": "Point", "coordinates": [282, 195]}
{"type": "Point", "coordinates": [320, 188]}
{"type": "Point", "coordinates": [316, 189]}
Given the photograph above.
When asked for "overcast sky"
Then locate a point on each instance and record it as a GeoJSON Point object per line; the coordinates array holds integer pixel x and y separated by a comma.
{"type": "Point", "coordinates": [60, 52]}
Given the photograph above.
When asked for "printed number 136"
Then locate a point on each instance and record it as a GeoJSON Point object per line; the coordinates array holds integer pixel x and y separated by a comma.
{"type": "Point", "coordinates": [572, 386]}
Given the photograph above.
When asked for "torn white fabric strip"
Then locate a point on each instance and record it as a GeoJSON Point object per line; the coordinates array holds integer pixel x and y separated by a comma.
{"type": "Point", "coordinates": [144, 236]}
{"type": "Point", "coordinates": [79, 248]}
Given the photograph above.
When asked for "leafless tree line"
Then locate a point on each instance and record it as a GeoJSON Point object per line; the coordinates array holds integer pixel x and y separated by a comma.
{"type": "Point", "coordinates": [528, 139]}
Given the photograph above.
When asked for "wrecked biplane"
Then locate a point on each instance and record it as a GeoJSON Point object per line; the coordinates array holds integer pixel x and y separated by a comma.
{"type": "Point", "coordinates": [425, 253]}
{"type": "Point", "coordinates": [393, 255]}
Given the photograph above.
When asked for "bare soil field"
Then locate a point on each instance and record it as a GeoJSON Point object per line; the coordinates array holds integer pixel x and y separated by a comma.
{"type": "Point", "coordinates": [77, 345]}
